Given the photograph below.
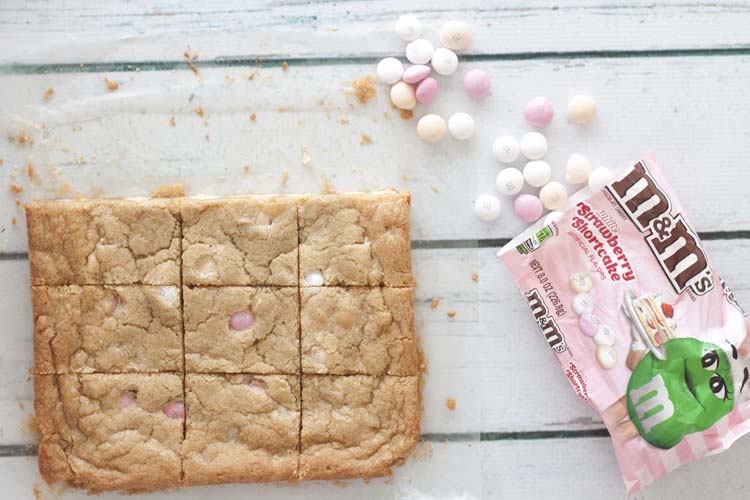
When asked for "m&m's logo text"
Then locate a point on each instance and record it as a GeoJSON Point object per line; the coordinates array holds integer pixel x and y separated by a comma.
{"type": "Point", "coordinates": [673, 243]}
{"type": "Point", "coordinates": [545, 321]}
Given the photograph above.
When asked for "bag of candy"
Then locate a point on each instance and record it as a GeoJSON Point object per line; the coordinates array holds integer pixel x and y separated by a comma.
{"type": "Point", "coordinates": [643, 327]}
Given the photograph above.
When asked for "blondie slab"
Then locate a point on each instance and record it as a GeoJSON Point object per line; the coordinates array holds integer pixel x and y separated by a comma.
{"type": "Point", "coordinates": [240, 241]}
{"type": "Point", "coordinates": [94, 242]}
{"type": "Point", "coordinates": [110, 432]}
{"type": "Point", "coordinates": [357, 426]}
{"type": "Point", "coordinates": [355, 239]}
{"type": "Point", "coordinates": [241, 428]}
{"type": "Point", "coordinates": [108, 329]}
{"type": "Point", "coordinates": [265, 339]}
{"type": "Point", "coordinates": [358, 330]}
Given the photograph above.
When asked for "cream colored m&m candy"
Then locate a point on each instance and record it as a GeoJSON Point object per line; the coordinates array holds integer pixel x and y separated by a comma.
{"type": "Point", "coordinates": [554, 196]}
{"type": "Point", "coordinates": [403, 96]}
{"type": "Point", "coordinates": [510, 181]}
{"type": "Point", "coordinates": [577, 169]}
{"type": "Point", "coordinates": [408, 27]}
{"type": "Point", "coordinates": [604, 336]}
{"type": "Point", "coordinates": [444, 61]}
{"type": "Point", "coordinates": [455, 35]}
{"type": "Point", "coordinates": [583, 304]}
{"type": "Point", "coordinates": [606, 357]}
{"type": "Point", "coordinates": [419, 51]}
{"type": "Point", "coordinates": [431, 128]}
{"type": "Point", "coordinates": [390, 70]}
{"type": "Point", "coordinates": [461, 126]}
{"type": "Point", "coordinates": [534, 146]}
{"type": "Point", "coordinates": [581, 109]}
{"type": "Point", "coordinates": [506, 149]}
{"type": "Point", "coordinates": [537, 173]}
{"type": "Point", "coordinates": [581, 282]}
{"type": "Point", "coordinates": [487, 207]}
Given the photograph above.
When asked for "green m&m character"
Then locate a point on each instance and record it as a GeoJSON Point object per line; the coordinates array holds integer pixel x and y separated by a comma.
{"type": "Point", "coordinates": [688, 391]}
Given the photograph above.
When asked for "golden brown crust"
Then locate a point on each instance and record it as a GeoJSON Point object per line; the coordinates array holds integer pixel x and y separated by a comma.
{"type": "Point", "coordinates": [270, 346]}
{"type": "Point", "coordinates": [358, 330]}
{"type": "Point", "coordinates": [240, 241]}
{"type": "Point", "coordinates": [103, 242]}
{"type": "Point", "coordinates": [357, 426]}
{"type": "Point", "coordinates": [107, 329]}
{"type": "Point", "coordinates": [356, 239]}
{"type": "Point", "coordinates": [241, 428]}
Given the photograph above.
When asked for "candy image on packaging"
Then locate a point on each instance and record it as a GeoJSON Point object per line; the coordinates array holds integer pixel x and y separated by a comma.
{"type": "Point", "coordinates": [644, 328]}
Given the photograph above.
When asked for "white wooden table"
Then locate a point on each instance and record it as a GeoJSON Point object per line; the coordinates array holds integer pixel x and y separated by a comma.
{"type": "Point", "coordinates": [671, 77]}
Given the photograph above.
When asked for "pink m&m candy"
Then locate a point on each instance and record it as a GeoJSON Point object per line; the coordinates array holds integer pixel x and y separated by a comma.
{"type": "Point", "coordinates": [528, 207]}
{"type": "Point", "coordinates": [588, 324]}
{"type": "Point", "coordinates": [538, 111]}
{"type": "Point", "coordinates": [175, 409]}
{"type": "Point", "coordinates": [416, 73]}
{"type": "Point", "coordinates": [241, 320]}
{"type": "Point", "coordinates": [477, 83]}
{"type": "Point", "coordinates": [427, 90]}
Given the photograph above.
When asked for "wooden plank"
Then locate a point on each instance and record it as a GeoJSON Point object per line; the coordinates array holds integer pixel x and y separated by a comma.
{"type": "Point", "coordinates": [121, 143]}
{"type": "Point", "coordinates": [76, 31]}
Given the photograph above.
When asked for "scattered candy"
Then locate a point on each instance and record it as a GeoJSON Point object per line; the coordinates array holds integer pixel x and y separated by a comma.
{"type": "Point", "coordinates": [599, 178]}
{"type": "Point", "coordinates": [552, 217]}
{"type": "Point", "coordinates": [455, 35]}
{"type": "Point", "coordinates": [408, 27]}
{"type": "Point", "coordinates": [604, 336]}
{"type": "Point", "coordinates": [431, 128]}
{"type": "Point", "coordinates": [477, 83]}
{"type": "Point", "coordinates": [510, 181]}
{"type": "Point", "coordinates": [444, 61]}
{"type": "Point", "coordinates": [606, 357]}
{"type": "Point", "coordinates": [581, 282]}
{"type": "Point", "coordinates": [487, 207]}
{"type": "Point", "coordinates": [175, 410]}
{"type": "Point", "coordinates": [528, 207]}
{"type": "Point", "coordinates": [241, 320]}
{"type": "Point", "coordinates": [416, 73]}
{"type": "Point", "coordinates": [577, 169]}
{"type": "Point", "coordinates": [419, 51]}
{"type": "Point", "coordinates": [534, 146]}
{"type": "Point", "coordinates": [539, 111]}
{"type": "Point", "coordinates": [554, 196]}
{"type": "Point", "coordinates": [390, 70]}
{"type": "Point", "coordinates": [583, 304]}
{"type": "Point", "coordinates": [588, 324]}
{"type": "Point", "coordinates": [127, 398]}
{"type": "Point", "coordinates": [581, 109]}
{"type": "Point", "coordinates": [537, 173]}
{"type": "Point", "coordinates": [461, 126]}
{"type": "Point", "coordinates": [427, 90]}
{"type": "Point", "coordinates": [506, 149]}
{"type": "Point", "coordinates": [403, 96]}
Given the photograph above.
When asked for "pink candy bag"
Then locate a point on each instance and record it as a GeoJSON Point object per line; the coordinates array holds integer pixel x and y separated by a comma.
{"type": "Point", "coordinates": [645, 330]}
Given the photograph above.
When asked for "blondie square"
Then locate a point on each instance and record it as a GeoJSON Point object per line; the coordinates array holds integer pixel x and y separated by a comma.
{"type": "Point", "coordinates": [95, 242]}
{"type": "Point", "coordinates": [241, 330]}
{"type": "Point", "coordinates": [358, 330]}
{"type": "Point", "coordinates": [355, 239]}
{"type": "Point", "coordinates": [357, 426]}
{"type": "Point", "coordinates": [241, 428]}
{"type": "Point", "coordinates": [240, 241]}
{"type": "Point", "coordinates": [111, 432]}
{"type": "Point", "coordinates": [107, 329]}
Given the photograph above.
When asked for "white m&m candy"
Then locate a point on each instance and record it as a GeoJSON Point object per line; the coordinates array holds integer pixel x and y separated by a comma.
{"type": "Point", "coordinates": [506, 149]}
{"type": "Point", "coordinates": [461, 126]}
{"type": "Point", "coordinates": [403, 96]}
{"type": "Point", "coordinates": [419, 51]}
{"type": "Point", "coordinates": [537, 173]}
{"type": "Point", "coordinates": [577, 169]}
{"type": "Point", "coordinates": [444, 61]}
{"type": "Point", "coordinates": [390, 70]}
{"type": "Point", "coordinates": [580, 282]}
{"type": "Point", "coordinates": [509, 181]}
{"type": "Point", "coordinates": [431, 128]}
{"type": "Point", "coordinates": [606, 357]}
{"type": "Point", "coordinates": [455, 35]}
{"type": "Point", "coordinates": [554, 196]}
{"type": "Point", "coordinates": [581, 109]}
{"type": "Point", "coordinates": [534, 146]}
{"type": "Point", "coordinates": [487, 207]}
{"type": "Point", "coordinates": [583, 304]}
{"type": "Point", "coordinates": [599, 178]}
{"type": "Point", "coordinates": [605, 336]}
{"type": "Point", "coordinates": [408, 27]}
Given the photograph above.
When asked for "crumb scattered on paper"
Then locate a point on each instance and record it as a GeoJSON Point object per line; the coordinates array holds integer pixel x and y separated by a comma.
{"type": "Point", "coordinates": [434, 303]}
{"type": "Point", "coordinates": [364, 139]}
{"type": "Point", "coordinates": [37, 491]}
{"type": "Point", "coordinates": [21, 138]}
{"type": "Point", "coordinates": [111, 84]}
{"type": "Point", "coordinates": [406, 114]}
{"type": "Point", "coordinates": [364, 88]}
{"type": "Point", "coordinates": [172, 121]}
{"type": "Point", "coordinates": [450, 403]}
{"type": "Point", "coordinates": [13, 221]}
{"type": "Point", "coordinates": [15, 188]}
{"type": "Point", "coordinates": [199, 111]}
{"type": "Point", "coordinates": [305, 157]}
{"type": "Point", "coordinates": [32, 175]}
{"type": "Point", "coordinates": [284, 177]}
{"type": "Point", "coordinates": [207, 137]}
{"type": "Point", "coordinates": [434, 189]}
{"type": "Point", "coordinates": [284, 66]}
{"type": "Point", "coordinates": [229, 78]}
{"type": "Point", "coordinates": [475, 277]}
{"type": "Point", "coordinates": [423, 451]}
{"type": "Point", "coordinates": [64, 189]}
{"type": "Point", "coordinates": [327, 188]}
{"type": "Point", "coordinates": [451, 314]}
{"type": "Point", "coordinates": [246, 168]}
{"type": "Point", "coordinates": [176, 190]}
{"type": "Point", "coordinates": [285, 109]}
{"type": "Point", "coordinates": [252, 117]}
{"type": "Point", "coordinates": [344, 121]}
{"type": "Point", "coordinates": [48, 94]}
{"type": "Point", "coordinates": [1, 162]}
{"type": "Point", "coordinates": [29, 428]}
{"type": "Point", "coordinates": [252, 75]}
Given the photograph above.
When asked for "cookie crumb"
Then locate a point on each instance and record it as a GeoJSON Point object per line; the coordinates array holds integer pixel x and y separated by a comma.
{"type": "Point", "coordinates": [434, 189]}
{"type": "Point", "coordinates": [344, 122]}
{"type": "Point", "coordinates": [285, 109]}
{"type": "Point", "coordinates": [364, 139]}
{"type": "Point", "coordinates": [199, 111]}
{"type": "Point", "coordinates": [406, 114]}
{"type": "Point", "coordinates": [434, 303]}
{"type": "Point", "coordinates": [252, 117]}
{"type": "Point", "coordinates": [64, 189]}
{"type": "Point", "coordinates": [451, 314]}
{"type": "Point", "coordinates": [21, 138]}
{"type": "Point", "coordinates": [1, 162]}
{"type": "Point", "coordinates": [364, 88]}
{"type": "Point", "coordinates": [29, 428]}
{"type": "Point", "coordinates": [193, 67]}
{"type": "Point", "coordinates": [48, 94]}
{"type": "Point", "coordinates": [284, 177]}
{"type": "Point", "coordinates": [284, 66]}
{"type": "Point", "coordinates": [15, 188]}
{"type": "Point", "coordinates": [13, 221]}
{"type": "Point", "coordinates": [450, 403]}
{"type": "Point", "coordinates": [111, 84]}
{"type": "Point", "coordinates": [37, 492]}
{"type": "Point", "coordinates": [305, 157]}
{"type": "Point", "coordinates": [176, 190]}
{"type": "Point", "coordinates": [21, 406]}
{"type": "Point", "coordinates": [32, 175]}
{"type": "Point", "coordinates": [246, 169]}
{"type": "Point", "coordinates": [207, 137]}
{"type": "Point", "coordinates": [327, 188]}
{"type": "Point", "coordinates": [251, 76]}
{"type": "Point", "coordinates": [172, 121]}
{"type": "Point", "coordinates": [475, 277]}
